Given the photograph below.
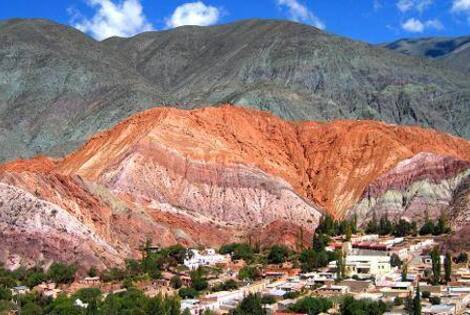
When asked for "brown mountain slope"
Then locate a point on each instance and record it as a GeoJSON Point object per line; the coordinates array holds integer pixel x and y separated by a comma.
{"type": "Point", "coordinates": [214, 175]}
{"type": "Point", "coordinates": [328, 163]}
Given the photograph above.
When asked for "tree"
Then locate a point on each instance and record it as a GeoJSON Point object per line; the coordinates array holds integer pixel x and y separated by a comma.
{"type": "Point", "coordinates": [395, 260]}
{"type": "Point", "coordinates": [404, 272]}
{"type": "Point", "coordinates": [340, 265]}
{"type": "Point", "coordinates": [417, 302]}
{"type": "Point", "coordinates": [188, 293]}
{"type": "Point", "coordinates": [176, 282]}
{"type": "Point", "coordinates": [320, 241]}
{"type": "Point", "coordinates": [442, 225]}
{"type": "Point", "coordinates": [427, 228]}
{"type": "Point", "coordinates": [61, 273]}
{"type": "Point", "coordinates": [87, 294]}
{"type": "Point", "coordinates": [448, 267]}
{"type": "Point", "coordinates": [197, 280]}
{"type": "Point", "coordinates": [92, 272]}
{"type": "Point", "coordinates": [348, 233]}
{"type": "Point", "coordinates": [435, 300]}
{"type": "Point", "coordinates": [461, 258]}
{"type": "Point", "coordinates": [278, 254]}
{"type": "Point", "coordinates": [385, 226]}
{"type": "Point", "coordinates": [436, 265]}
{"type": "Point", "coordinates": [311, 259]}
{"type": "Point", "coordinates": [350, 306]}
{"type": "Point", "coordinates": [311, 305]}
{"type": "Point", "coordinates": [372, 226]}
{"type": "Point", "coordinates": [238, 251]}
{"type": "Point", "coordinates": [249, 273]}
{"type": "Point", "coordinates": [250, 305]}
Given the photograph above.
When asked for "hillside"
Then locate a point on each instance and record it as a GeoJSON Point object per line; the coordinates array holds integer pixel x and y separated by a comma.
{"type": "Point", "coordinates": [214, 175]}
{"type": "Point", "coordinates": [451, 51]}
{"type": "Point", "coordinates": [58, 86]}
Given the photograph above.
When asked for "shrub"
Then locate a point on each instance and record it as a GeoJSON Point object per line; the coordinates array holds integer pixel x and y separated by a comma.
{"type": "Point", "coordinates": [188, 293]}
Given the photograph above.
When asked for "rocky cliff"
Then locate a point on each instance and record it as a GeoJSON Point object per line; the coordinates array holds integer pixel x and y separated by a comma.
{"type": "Point", "coordinates": [424, 185]}
{"type": "Point", "coordinates": [220, 174]}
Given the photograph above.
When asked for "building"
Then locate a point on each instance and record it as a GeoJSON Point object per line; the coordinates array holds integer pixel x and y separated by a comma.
{"type": "Point", "coordinates": [441, 309]}
{"type": "Point", "coordinates": [206, 257]}
{"type": "Point", "coordinates": [19, 290]}
{"type": "Point", "coordinates": [331, 290]}
{"type": "Point", "coordinates": [366, 265]}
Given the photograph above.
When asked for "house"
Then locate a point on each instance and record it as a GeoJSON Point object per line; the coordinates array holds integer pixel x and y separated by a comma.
{"type": "Point", "coordinates": [365, 265]}
{"type": "Point", "coordinates": [80, 303]}
{"type": "Point", "coordinates": [208, 257]}
{"type": "Point", "coordinates": [91, 281]}
{"type": "Point", "coordinates": [19, 290]}
{"type": "Point", "coordinates": [330, 290]}
{"type": "Point", "coordinates": [441, 309]}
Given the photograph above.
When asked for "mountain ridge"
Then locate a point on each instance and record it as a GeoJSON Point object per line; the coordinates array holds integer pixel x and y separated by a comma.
{"type": "Point", "coordinates": [298, 72]}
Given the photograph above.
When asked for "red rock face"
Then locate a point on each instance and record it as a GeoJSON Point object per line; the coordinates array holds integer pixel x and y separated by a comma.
{"type": "Point", "coordinates": [214, 175]}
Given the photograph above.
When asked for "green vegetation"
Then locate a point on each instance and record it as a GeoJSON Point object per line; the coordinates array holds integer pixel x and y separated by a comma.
{"type": "Point", "coordinates": [350, 306]}
{"type": "Point", "coordinates": [385, 227]}
{"type": "Point", "coordinates": [403, 228]}
{"type": "Point", "coordinates": [268, 299]}
{"type": "Point", "coordinates": [249, 273]}
{"type": "Point", "coordinates": [461, 258]}
{"type": "Point", "coordinates": [330, 227]}
{"type": "Point", "coordinates": [61, 273]}
{"type": "Point", "coordinates": [198, 282]}
{"type": "Point", "coordinates": [228, 285]}
{"type": "Point", "coordinates": [441, 227]}
{"type": "Point", "coordinates": [436, 266]}
{"type": "Point", "coordinates": [448, 267]}
{"type": "Point", "coordinates": [250, 305]}
{"type": "Point", "coordinates": [395, 261]}
{"type": "Point", "coordinates": [176, 282]}
{"type": "Point", "coordinates": [340, 265]}
{"type": "Point", "coordinates": [238, 251]}
{"type": "Point", "coordinates": [278, 254]}
{"type": "Point", "coordinates": [311, 305]}
{"type": "Point", "coordinates": [188, 293]}
{"type": "Point", "coordinates": [316, 257]}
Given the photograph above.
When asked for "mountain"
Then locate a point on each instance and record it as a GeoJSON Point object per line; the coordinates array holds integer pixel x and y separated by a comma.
{"type": "Point", "coordinates": [451, 51]}
{"type": "Point", "coordinates": [58, 86]}
{"type": "Point", "coordinates": [207, 177]}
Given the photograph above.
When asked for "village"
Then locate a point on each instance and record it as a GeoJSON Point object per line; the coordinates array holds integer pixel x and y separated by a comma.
{"type": "Point", "coordinates": [394, 275]}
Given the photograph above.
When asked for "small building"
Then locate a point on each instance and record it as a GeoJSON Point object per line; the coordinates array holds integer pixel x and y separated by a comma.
{"type": "Point", "coordinates": [332, 290]}
{"type": "Point", "coordinates": [441, 309]}
{"type": "Point", "coordinates": [19, 290]}
{"type": "Point", "coordinates": [365, 265]}
{"type": "Point", "coordinates": [206, 257]}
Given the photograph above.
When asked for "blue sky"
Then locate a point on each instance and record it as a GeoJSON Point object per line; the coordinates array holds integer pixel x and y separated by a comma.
{"type": "Point", "coordinates": [368, 20]}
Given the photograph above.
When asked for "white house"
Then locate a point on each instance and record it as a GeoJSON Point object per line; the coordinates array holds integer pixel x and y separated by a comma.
{"type": "Point", "coordinates": [206, 257]}
{"type": "Point", "coordinates": [366, 265]}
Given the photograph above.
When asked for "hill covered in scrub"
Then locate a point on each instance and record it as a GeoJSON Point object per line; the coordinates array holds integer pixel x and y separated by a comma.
{"type": "Point", "coordinates": [58, 86]}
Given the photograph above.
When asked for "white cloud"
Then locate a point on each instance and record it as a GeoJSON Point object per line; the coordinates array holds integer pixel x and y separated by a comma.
{"type": "Point", "coordinates": [461, 6]}
{"type": "Point", "coordinates": [114, 19]}
{"type": "Point", "coordinates": [413, 25]}
{"type": "Point", "coordinates": [193, 13]}
{"type": "Point", "coordinates": [435, 24]}
{"type": "Point", "coordinates": [405, 5]}
{"type": "Point", "coordinates": [418, 5]}
{"type": "Point", "coordinates": [300, 13]}
{"type": "Point", "coordinates": [416, 26]}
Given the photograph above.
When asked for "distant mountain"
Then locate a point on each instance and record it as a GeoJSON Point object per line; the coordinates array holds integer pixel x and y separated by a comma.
{"type": "Point", "coordinates": [216, 175]}
{"type": "Point", "coordinates": [59, 86]}
{"type": "Point", "coordinates": [453, 51]}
